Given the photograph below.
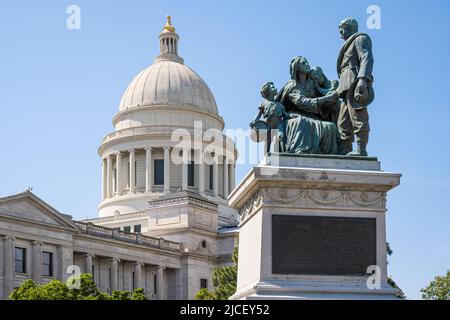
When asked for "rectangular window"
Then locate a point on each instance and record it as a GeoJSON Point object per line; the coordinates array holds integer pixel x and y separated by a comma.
{"type": "Point", "coordinates": [159, 171]}
{"type": "Point", "coordinates": [137, 228]}
{"type": "Point", "coordinates": [47, 264]}
{"type": "Point", "coordinates": [20, 260]}
{"type": "Point", "coordinates": [132, 282]}
{"type": "Point", "coordinates": [211, 175]}
{"type": "Point", "coordinates": [191, 174]}
{"type": "Point", "coordinates": [93, 272]}
{"type": "Point", "coordinates": [203, 283]}
{"type": "Point", "coordinates": [154, 284]}
{"type": "Point", "coordinates": [127, 228]}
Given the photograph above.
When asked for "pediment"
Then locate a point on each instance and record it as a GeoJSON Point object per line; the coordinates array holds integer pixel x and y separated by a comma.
{"type": "Point", "coordinates": [28, 206]}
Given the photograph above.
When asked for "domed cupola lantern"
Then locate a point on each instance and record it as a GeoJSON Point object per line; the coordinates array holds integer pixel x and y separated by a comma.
{"type": "Point", "coordinates": [168, 43]}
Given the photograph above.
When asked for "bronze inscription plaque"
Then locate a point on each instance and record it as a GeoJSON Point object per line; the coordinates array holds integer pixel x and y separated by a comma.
{"type": "Point", "coordinates": [322, 245]}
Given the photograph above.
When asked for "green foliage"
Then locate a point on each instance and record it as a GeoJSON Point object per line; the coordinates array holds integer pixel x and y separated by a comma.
{"type": "Point", "coordinates": [224, 280]}
{"type": "Point", "coordinates": [27, 291]}
{"type": "Point", "coordinates": [138, 294]}
{"type": "Point", "coordinates": [88, 289]}
{"type": "Point", "coordinates": [120, 295]}
{"type": "Point", "coordinates": [438, 289]}
{"type": "Point", "coordinates": [54, 290]}
{"type": "Point", "coordinates": [389, 250]}
{"type": "Point", "coordinates": [57, 290]}
{"type": "Point", "coordinates": [204, 294]}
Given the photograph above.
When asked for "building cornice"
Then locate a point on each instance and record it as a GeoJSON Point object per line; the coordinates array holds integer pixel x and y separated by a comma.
{"type": "Point", "coordinates": [165, 107]}
{"type": "Point", "coordinates": [148, 133]}
{"type": "Point", "coordinates": [34, 223]}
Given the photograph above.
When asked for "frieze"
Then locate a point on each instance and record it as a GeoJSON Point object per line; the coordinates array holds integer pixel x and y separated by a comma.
{"type": "Point", "coordinates": [313, 198]}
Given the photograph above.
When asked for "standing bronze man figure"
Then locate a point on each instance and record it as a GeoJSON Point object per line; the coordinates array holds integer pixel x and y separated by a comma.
{"type": "Point", "coordinates": [354, 67]}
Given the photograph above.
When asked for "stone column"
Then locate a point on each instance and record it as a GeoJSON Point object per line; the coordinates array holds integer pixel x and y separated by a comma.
{"type": "Point", "coordinates": [232, 176]}
{"type": "Point", "coordinates": [8, 267]}
{"type": "Point", "coordinates": [166, 169]}
{"type": "Point", "coordinates": [225, 177]}
{"type": "Point", "coordinates": [148, 169]}
{"type": "Point", "coordinates": [201, 172]}
{"type": "Point", "coordinates": [65, 262]}
{"type": "Point", "coordinates": [119, 172]}
{"type": "Point", "coordinates": [184, 171]}
{"type": "Point", "coordinates": [36, 259]}
{"type": "Point", "coordinates": [160, 283]}
{"type": "Point", "coordinates": [137, 275]}
{"type": "Point", "coordinates": [104, 185]}
{"type": "Point", "coordinates": [132, 171]}
{"type": "Point", "coordinates": [108, 176]}
{"type": "Point", "coordinates": [216, 176]}
{"type": "Point", "coordinates": [88, 263]}
{"type": "Point", "coordinates": [114, 274]}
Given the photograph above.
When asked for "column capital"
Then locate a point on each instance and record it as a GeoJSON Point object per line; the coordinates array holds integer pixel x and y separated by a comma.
{"type": "Point", "coordinates": [148, 148]}
{"type": "Point", "coordinates": [167, 148]}
{"type": "Point", "coordinates": [113, 259]}
{"type": "Point", "coordinates": [8, 237]}
{"type": "Point", "coordinates": [161, 268]}
{"type": "Point", "coordinates": [89, 255]}
{"type": "Point", "coordinates": [118, 153]}
{"type": "Point", "coordinates": [37, 243]}
{"type": "Point", "coordinates": [132, 150]}
{"type": "Point", "coordinates": [138, 263]}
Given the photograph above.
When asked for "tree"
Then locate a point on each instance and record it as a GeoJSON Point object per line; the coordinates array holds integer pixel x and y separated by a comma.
{"type": "Point", "coordinates": [120, 295]}
{"type": "Point", "coordinates": [27, 291]}
{"type": "Point", "coordinates": [87, 289]}
{"type": "Point", "coordinates": [138, 294]}
{"type": "Point", "coordinates": [57, 290]}
{"type": "Point", "coordinates": [54, 290]}
{"type": "Point", "coordinates": [204, 294]}
{"type": "Point", "coordinates": [224, 280]}
{"type": "Point", "coordinates": [438, 289]}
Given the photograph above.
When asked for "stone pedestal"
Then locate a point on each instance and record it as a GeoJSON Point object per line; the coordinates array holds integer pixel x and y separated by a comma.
{"type": "Point", "coordinates": [313, 227]}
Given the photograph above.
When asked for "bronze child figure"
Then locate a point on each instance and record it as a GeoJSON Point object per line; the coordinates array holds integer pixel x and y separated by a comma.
{"type": "Point", "coordinates": [330, 111]}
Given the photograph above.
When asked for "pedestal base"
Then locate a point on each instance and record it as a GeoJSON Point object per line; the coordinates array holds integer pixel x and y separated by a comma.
{"type": "Point", "coordinates": [313, 228]}
{"type": "Point", "coordinates": [304, 290]}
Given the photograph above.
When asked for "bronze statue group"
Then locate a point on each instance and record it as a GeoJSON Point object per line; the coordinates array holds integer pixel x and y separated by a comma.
{"type": "Point", "coordinates": [313, 115]}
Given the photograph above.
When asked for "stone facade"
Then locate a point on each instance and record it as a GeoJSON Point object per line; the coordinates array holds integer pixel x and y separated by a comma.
{"type": "Point", "coordinates": [118, 260]}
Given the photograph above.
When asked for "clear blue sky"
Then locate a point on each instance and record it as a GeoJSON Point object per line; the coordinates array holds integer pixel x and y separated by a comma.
{"type": "Point", "coordinates": [60, 89]}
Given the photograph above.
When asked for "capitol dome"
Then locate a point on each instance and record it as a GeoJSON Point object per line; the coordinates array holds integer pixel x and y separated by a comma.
{"type": "Point", "coordinates": [167, 94]}
{"type": "Point", "coordinates": [162, 102]}
{"type": "Point", "coordinates": [168, 82]}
